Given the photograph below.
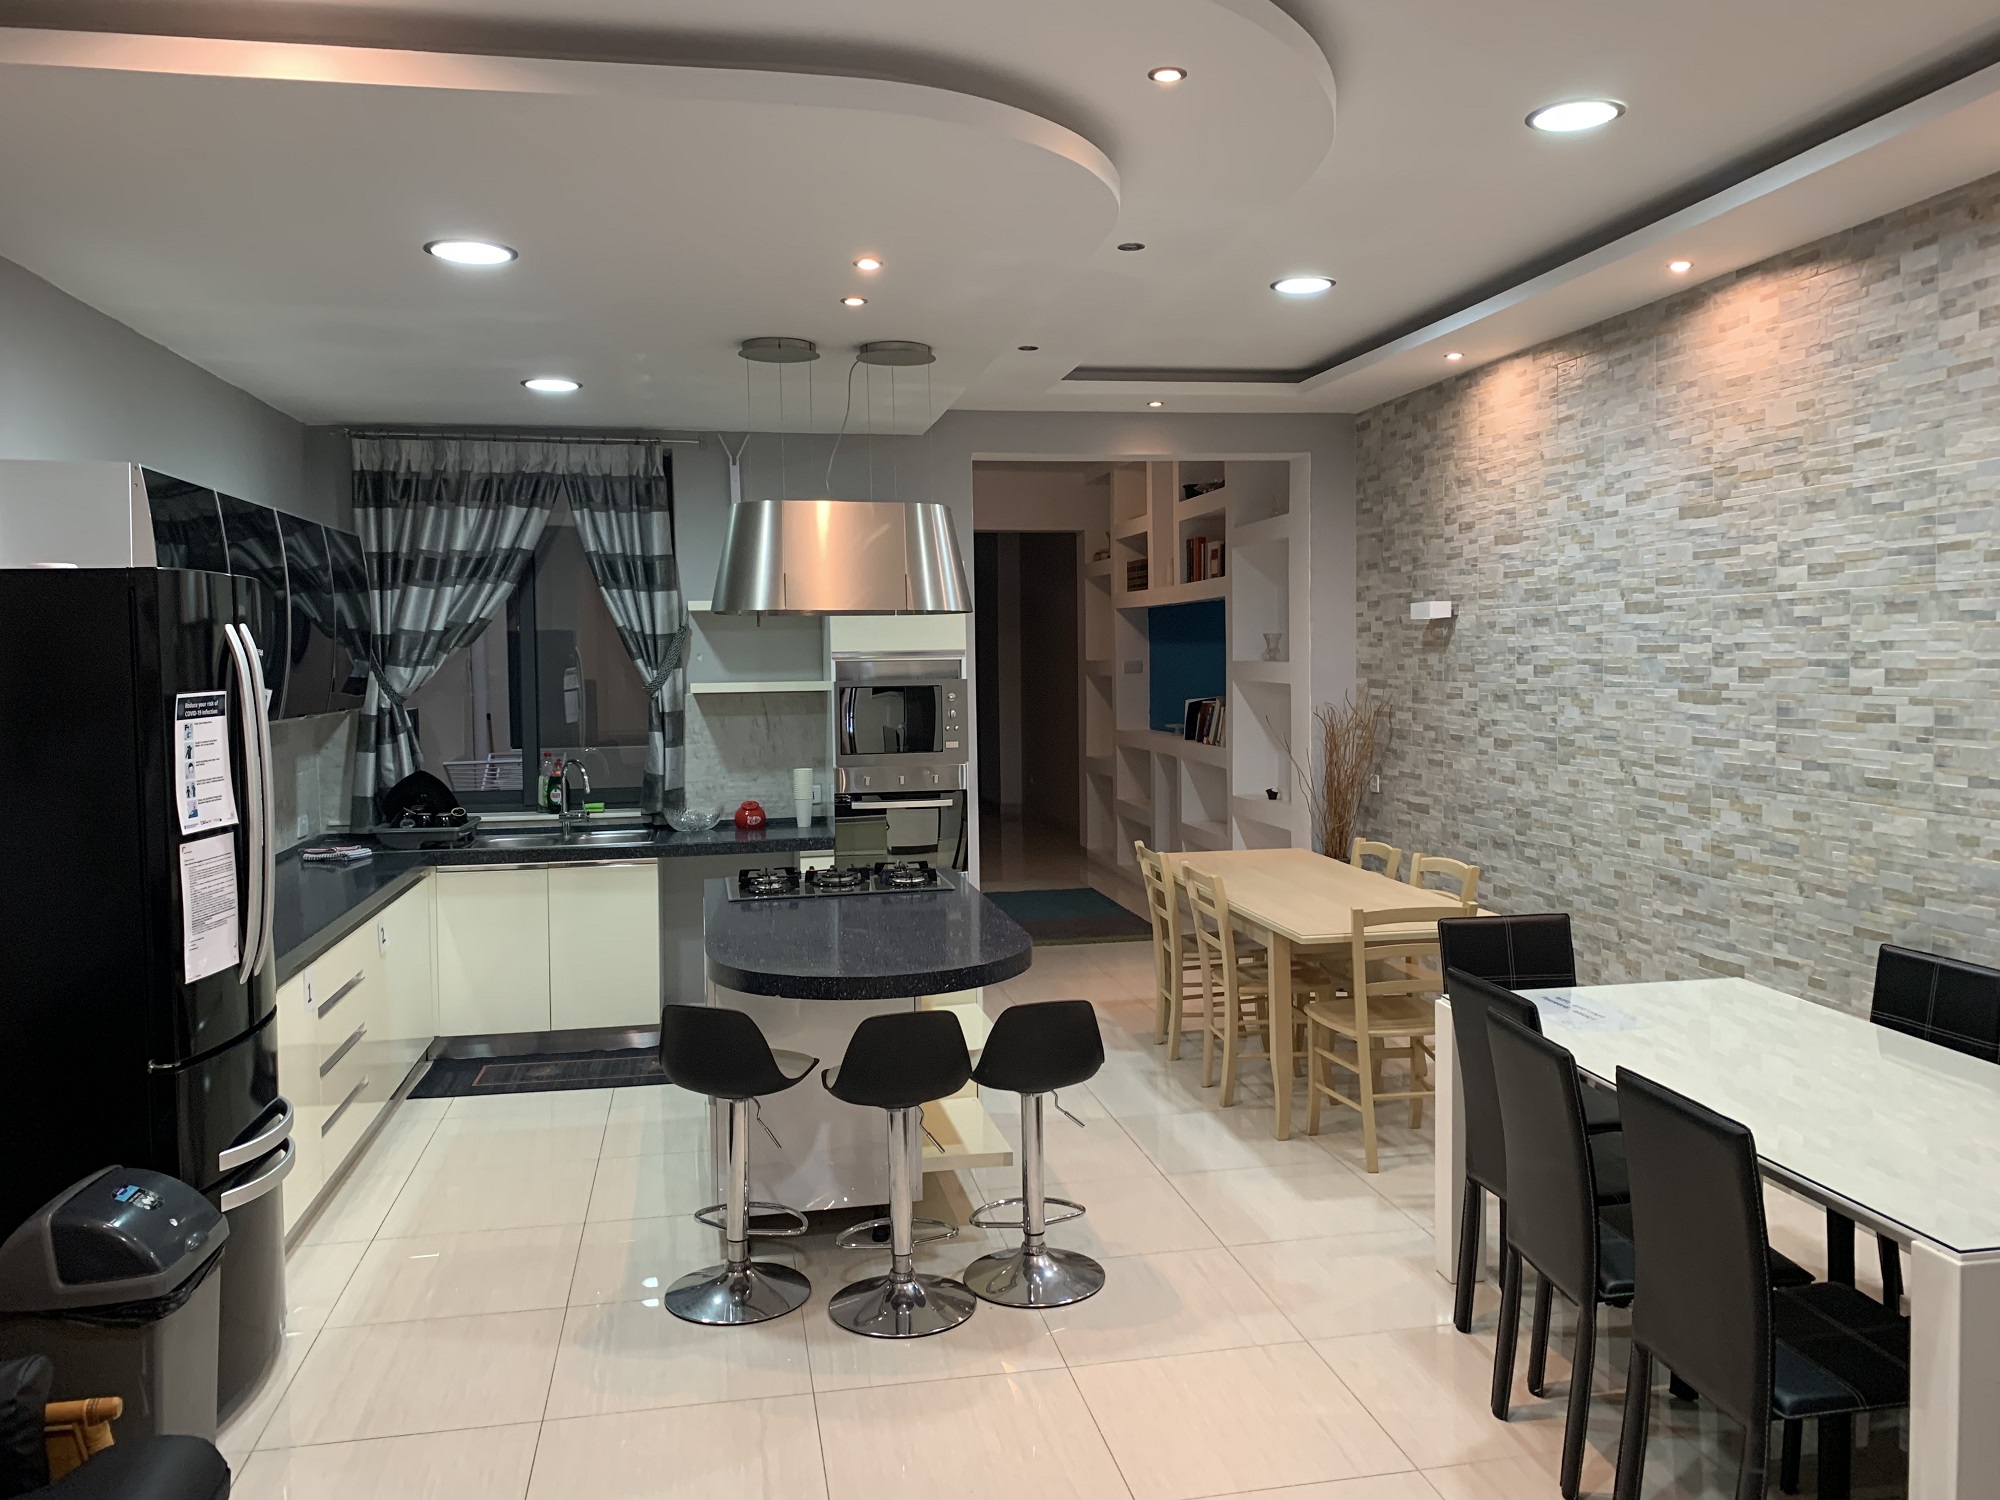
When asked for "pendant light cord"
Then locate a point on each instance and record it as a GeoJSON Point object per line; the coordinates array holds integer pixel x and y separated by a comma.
{"type": "Point", "coordinates": [843, 425]}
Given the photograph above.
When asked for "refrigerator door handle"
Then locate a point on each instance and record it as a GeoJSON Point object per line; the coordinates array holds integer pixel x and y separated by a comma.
{"type": "Point", "coordinates": [266, 871]}
{"type": "Point", "coordinates": [264, 1182]}
{"type": "Point", "coordinates": [232, 1157]}
{"type": "Point", "coordinates": [254, 805]}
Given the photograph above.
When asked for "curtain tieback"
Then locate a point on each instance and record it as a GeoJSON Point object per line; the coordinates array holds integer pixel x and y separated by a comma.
{"type": "Point", "coordinates": [670, 663]}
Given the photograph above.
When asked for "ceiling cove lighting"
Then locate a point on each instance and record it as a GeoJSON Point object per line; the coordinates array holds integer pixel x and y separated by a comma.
{"type": "Point", "coordinates": [853, 301]}
{"type": "Point", "coordinates": [1167, 75]}
{"type": "Point", "coordinates": [1454, 356]}
{"type": "Point", "coordinates": [1573, 115]}
{"type": "Point", "coordinates": [1680, 267]}
{"type": "Point", "coordinates": [868, 263]}
{"type": "Point", "coordinates": [551, 385]}
{"type": "Point", "coordinates": [1302, 286]}
{"type": "Point", "coordinates": [471, 252]}
{"type": "Point", "coordinates": [1156, 403]}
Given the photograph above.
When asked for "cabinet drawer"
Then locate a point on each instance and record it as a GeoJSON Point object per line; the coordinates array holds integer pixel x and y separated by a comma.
{"type": "Point", "coordinates": [343, 984]}
{"type": "Point", "coordinates": [348, 1117]}
{"type": "Point", "coordinates": [343, 1063]}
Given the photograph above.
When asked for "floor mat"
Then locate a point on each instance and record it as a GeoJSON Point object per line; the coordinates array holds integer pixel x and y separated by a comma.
{"type": "Point", "coordinates": [1079, 915]}
{"type": "Point", "coordinates": [539, 1072]}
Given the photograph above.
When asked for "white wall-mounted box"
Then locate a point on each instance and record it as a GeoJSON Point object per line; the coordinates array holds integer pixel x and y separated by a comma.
{"type": "Point", "coordinates": [1433, 609]}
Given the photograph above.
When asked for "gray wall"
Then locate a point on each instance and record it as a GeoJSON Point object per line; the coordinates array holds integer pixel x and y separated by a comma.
{"type": "Point", "coordinates": [1724, 678]}
{"type": "Point", "coordinates": [76, 384]}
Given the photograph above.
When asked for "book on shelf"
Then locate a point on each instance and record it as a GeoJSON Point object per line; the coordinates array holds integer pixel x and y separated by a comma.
{"type": "Point", "coordinates": [1205, 721]}
{"type": "Point", "coordinates": [1204, 558]}
{"type": "Point", "coordinates": [1135, 575]}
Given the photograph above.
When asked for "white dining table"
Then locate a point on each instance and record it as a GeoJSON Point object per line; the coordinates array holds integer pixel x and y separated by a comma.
{"type": "Point", "coordinates": [1898, 1134]}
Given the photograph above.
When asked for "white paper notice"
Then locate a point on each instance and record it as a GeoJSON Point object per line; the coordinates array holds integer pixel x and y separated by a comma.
{"type": "Point", "coordinates": [201, 762]}
{"type": "Point", "coordinates": [208, 906]}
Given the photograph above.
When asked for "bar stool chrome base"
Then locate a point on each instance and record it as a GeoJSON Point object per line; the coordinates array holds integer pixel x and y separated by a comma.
{"type": "Point", "coordinates": [902, 1307]}
{"type": "Point", "coordinates": [732, 1296]}
{"type": "Point", "coordinates": [1035, 1276]}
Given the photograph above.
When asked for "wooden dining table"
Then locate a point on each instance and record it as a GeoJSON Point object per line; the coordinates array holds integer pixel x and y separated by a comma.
{"type": "Point", "coordinates": [1297, 904]}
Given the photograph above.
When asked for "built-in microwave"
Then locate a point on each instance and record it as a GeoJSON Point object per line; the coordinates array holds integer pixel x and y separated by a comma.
{"type": "Point", "coordinates": [900, 722]}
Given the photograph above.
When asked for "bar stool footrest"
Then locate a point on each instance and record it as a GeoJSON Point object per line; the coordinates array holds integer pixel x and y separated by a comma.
{"type": "Point", "coordinates": [1048, 1220]}
{"type": "Point", "coordinates": [713, 1217]}
{"type": "Point", "coordinates": [939, 1230]}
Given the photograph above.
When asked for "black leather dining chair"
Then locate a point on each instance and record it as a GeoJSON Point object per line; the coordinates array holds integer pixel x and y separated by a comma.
{"type": "Point", "coordinates": [1555, 1222]}
{"type": "Point", "coordinates": [1704, 1304]}
{"type": "Point", "coordinates": [1935, 999]}
{"type": "Point", "coordinates": [1531, 952]}
{"type": "Point", "coordinates": [1485, 1137]}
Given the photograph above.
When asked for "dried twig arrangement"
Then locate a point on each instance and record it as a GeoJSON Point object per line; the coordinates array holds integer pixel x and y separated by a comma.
{"type": "Point", "coordinates": [1350, 737]}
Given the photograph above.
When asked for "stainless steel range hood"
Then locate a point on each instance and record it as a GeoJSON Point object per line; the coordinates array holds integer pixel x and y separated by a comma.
{"type": "Point", "coordinates": [840, 557]}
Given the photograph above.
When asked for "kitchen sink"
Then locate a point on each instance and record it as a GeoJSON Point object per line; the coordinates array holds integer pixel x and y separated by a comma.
{"type": "Point", "coordinates": [549, 838]}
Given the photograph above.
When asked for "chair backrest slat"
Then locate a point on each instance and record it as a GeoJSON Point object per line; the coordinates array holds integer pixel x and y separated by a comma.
{"type": "Point", "coordinates": [1464, 878]}
{"type": "Point", "coordinates": [1363, 850]}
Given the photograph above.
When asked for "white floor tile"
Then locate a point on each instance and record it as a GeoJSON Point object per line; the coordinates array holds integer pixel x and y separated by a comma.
{"type": "Point", "coordinates": [485, 1463]}
{"type": "Point", "coordinates": [994, 1437]}
{"type": "Point", "coordinates": [637, 1356]}
{"type": "Point", "coordinates": [1156, 1305]}
{"type": "Point", "coordinates": [1134, 1216]}
{"type": "Point", "coordinates": [1218, 1140]}
{"type": "Point", "coordinates": [388, 1379]}
{"type": "Point", "coordinates": [315, 1276]}
{"type": "Point", "coordinates": [994, 1341]}
{"type": "Point", "coordinates": [468, 1144]}
{"type": "Point", "coordinates": [1356, 1283]}
{"type": "Point", "coordinates": [458, 1275]}
{"type": "Point", "coordinates": [555, 1107]}
{"type": "Point", "coordinates": [1406, 1486]}
{"type": "Point", "coordinates": [1428, 1388]}
{"type": "Point", "coordinates": [246, 1425]}
{"type": "Point", "coordinates": [1237, 1419]}
{"type": "Point", "coordinates": [447, 1201]}
{"type": "Point", "coordinates": [628, 1260]}
{"type": "Point", "coordinates": [651, 1187]}
{"type": "Point", "coordinates": [745, 1450]}
{"type": "Point", "coordinates": [1297, 1201]}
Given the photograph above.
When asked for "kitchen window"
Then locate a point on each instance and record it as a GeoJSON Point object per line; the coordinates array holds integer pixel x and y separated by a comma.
{"type": "Point", "coordinates": [548, 674]}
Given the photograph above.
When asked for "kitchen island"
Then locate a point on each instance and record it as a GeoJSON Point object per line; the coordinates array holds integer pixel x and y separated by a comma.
{"type": "Point", "coordinates": [810, 969]}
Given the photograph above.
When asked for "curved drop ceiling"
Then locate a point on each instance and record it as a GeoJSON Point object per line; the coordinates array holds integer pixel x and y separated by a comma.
{"type": "Point", "coordinates": [249, 182]}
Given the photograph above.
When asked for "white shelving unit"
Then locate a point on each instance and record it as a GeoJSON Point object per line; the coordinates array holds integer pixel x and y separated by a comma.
{"type": "Point", "coordinates": [1140, 783]}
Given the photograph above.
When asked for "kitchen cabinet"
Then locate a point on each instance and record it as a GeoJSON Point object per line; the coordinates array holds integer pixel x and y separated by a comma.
{"type": "Point", "coordinates": [493, 950]}
{"type": "Point", "coordinates": [604, 948]}
{"type": "Point", "coordinates": [350, 1014]}
{"type": "Point", "coordinates": [870, 633]}
{"type": "Point", "coordinates": [298, 1081]}
{"type": "Point", "coordinates": [406, 946]}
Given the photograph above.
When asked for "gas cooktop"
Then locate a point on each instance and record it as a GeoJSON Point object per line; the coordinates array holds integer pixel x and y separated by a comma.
{"type": "Point", "coordinates": [891, 877]}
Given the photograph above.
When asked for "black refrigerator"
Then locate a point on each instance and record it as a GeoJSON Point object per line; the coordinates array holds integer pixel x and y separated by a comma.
{"type": "Point", "coordinates": [137, 991]}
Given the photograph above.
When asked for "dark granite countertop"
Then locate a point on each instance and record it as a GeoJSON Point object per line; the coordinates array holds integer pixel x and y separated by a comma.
{"type": "Point", "coordinates": [317, 906]}
{"type": "Point", "coordinates": [861, 947]}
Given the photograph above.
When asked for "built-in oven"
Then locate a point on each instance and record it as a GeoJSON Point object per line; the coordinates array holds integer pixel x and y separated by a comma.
{"type": "Point", "coordinates": [871, 828]}
{"type": "Point", "coordinates": [901, 723]}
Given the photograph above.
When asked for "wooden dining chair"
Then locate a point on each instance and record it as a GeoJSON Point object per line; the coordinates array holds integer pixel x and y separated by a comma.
{"type": "Point", "coordinates": [1367, 849]}
{"type": "Point", "coordinates": [1236, 985]}
{"type": "Point", "coordinates": [1176, 962]}
{"type": "Point", "coordinates": [1459, 875]}
{"type": "Point", "coordinates": [1390, 999]}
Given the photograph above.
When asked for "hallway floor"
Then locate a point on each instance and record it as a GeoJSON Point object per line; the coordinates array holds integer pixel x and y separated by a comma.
{"type": "Point", "coordinates": [476, 1316]}
{"type": "Point", "coordinates": [1017, 855]}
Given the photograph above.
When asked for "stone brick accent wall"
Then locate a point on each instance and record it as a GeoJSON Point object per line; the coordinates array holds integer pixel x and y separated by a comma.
{"type": "Point", "coordinates": [1725, 680]}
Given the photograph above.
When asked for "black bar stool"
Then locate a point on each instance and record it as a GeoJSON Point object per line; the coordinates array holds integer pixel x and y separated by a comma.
{"type": "Point", "coordinates": [899, 1063]}
{"type": "Point", "coordinates": [1032, 1051]}
{"type": "Point", "coordinates": [722, 1053]}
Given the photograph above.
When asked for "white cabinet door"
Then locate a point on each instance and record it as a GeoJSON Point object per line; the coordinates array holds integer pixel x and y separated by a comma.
{"type": "Point", "coordinates": [350, 1019]}
{"type": "Point", "coordinates": [404, 942]}
{"type": "Point", "coordinates": [943, 633]}
{"type": "Point", "coordinates": [492, 951]}
{"type": "Point", "coordinates": [604, 945]}
{"type": "Point", "coordinates": [298, 1081]}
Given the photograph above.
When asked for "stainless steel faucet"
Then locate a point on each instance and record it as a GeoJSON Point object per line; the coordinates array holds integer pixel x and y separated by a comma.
{"type": "Point", "coordinates": [574, 810]}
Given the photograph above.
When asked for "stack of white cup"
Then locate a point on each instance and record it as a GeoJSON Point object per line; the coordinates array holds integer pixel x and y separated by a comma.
{"type": "Point", "coordinates": [802, 795]}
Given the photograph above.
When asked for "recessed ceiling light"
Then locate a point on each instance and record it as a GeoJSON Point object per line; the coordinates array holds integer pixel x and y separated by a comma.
{"type": "Point", "coordinates": [1131, 245]}
{"type": "Point", "coordinates": [853, 301]}
{"type": "Point", "coordinates": [1167, 75]}
{"type": "Point", "coordinates": [1027, 348]}
{"type": "Point", "coordinates": [1302, 286]}
{"type": "Point", "coordinates": [1156, 403]}
{"type": "Point", "coordinates": [550, 385]}
{"type": "Point", "coordinates": [868, 263]}
{"type": "Point", "coordinates": [470, 252]}
{"type": "Point", "coordinates": [1680, 267]}
{"type": "Point", "coordinates": [1575, 114]}
{"type": "Point", "coordinates": [1454, 355]}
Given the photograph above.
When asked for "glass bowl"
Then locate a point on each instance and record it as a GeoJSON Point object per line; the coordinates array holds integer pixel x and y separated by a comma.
{"type": "Point", "coordinates": [694, 819]}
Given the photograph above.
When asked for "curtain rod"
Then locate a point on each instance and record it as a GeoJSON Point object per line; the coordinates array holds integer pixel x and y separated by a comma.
{"type": "Point", "coordinates": [516, 437]}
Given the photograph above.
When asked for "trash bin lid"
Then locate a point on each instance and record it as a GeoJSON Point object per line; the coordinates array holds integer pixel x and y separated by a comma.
{"type": "Point", "coordinates": [121, 1235]}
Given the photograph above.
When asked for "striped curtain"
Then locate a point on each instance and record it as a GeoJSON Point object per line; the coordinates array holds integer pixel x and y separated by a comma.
{"type": "Point", "coordinates": [447, 527]}
{"type": "Point", "coordinates": [623, 502]}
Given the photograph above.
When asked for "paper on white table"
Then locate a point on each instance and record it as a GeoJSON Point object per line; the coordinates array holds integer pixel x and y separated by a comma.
{"type": "Point", "coordinates": [1580, 1012]}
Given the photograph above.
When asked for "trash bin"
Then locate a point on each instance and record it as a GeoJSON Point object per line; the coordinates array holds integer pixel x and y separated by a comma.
{"type": "Point", "coordinates": [114, 1280]}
